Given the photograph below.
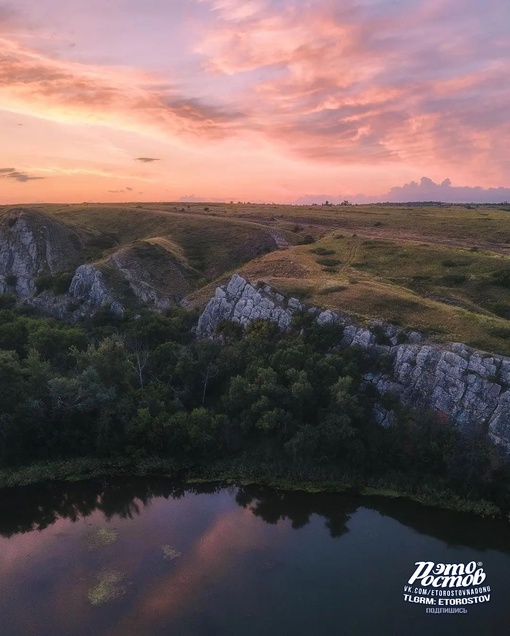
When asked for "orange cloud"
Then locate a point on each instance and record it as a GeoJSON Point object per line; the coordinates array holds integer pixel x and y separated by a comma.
{"type": "Point", "coordinates": [70, 92]}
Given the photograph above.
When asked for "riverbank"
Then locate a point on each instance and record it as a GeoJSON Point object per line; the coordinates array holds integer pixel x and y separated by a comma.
{"type": "Point", "coordinates": [312, 480]}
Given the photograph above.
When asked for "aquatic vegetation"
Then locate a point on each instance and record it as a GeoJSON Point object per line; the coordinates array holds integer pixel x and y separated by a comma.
{"type": "Point", "coordinates": [98, 537]}
{"type": "Point", "coordinates": [108, 587]}
{"type": "Point", "coordinates": [169, 553]}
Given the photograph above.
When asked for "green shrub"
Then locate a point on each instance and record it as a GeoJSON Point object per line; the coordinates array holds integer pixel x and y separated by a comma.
{"type": "Point", "coordinates": [43, 283]}
{"type": "Point", "coordinates": [502, 278]}
{"type": "Point", "coordinates": [322, 251]}
{"type": "Point", "coordinates": [74, 306]}
{"type": "Point", "coordinates": [389, 401]}
{"type": "Point", "coordinates": [11, 280]}
{"type": "Point", "coordinates": [329, 262]}
{"type": "Point", "coordinates": [333, 289]}
{"type": "Point", "coordinates": [502, 309]}
{"type": "Point", "coordinates": [58, 284]}
{"type": "Point", "coordinates": [500, 332]}
{"type": "Point", "coordinates": [380, 336]}
{"type": "Point", "coordinates": [299, 292]}
{"type": "Point", "coordinates": [7, 301]}
{"type": "Point", "coordinates": [61, 283]}
{"type": "Point", "coordinates": [452, 280]}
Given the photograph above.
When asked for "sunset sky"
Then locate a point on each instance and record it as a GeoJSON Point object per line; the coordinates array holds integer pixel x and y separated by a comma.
{"type": "Point", "coordinates": [260, 100]}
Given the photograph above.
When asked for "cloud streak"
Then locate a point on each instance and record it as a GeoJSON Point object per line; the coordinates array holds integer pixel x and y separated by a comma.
{"type": "Point", "coordinates": [267, 97]}
{"type": "Point", "coordinates": [120, 98]}
{"type": "Point", "coordinates": [16, 175]}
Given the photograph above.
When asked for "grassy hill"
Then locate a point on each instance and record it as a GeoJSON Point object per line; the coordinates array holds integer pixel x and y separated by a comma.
{"type": "Point", "coordinates": [444, 270]}
{"type": "Point", "coordinates": [204, 242]}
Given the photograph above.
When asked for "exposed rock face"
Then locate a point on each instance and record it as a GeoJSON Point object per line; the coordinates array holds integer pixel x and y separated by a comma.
{"type": "Point", "coordinates": [124, 280]}
{"type": "Point", "coordinates": [90, 287]}
{"type": "Point", "coordinates": [32, 245]}
{"type": "Point", "coordinates": [471, 387]}
{"type": "Point", "coordinates": [242, 303]}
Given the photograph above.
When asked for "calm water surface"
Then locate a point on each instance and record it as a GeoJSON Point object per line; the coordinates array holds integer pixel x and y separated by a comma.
{"type": "Point", "coordinates": [142, 557]}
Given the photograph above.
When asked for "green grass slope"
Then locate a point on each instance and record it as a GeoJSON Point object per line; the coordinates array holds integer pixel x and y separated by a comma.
{"type": "Point", "coordinates": [444, 270]}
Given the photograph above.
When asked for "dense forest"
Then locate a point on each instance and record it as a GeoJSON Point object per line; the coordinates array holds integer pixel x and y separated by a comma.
{"type": "Point", "coordinates": [262, 401]}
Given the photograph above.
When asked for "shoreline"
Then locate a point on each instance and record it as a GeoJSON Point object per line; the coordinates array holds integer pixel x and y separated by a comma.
{"type": "Point", "coordinates": [82, 469]}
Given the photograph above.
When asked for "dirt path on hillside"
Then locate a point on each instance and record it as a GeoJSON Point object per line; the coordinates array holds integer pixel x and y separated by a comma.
{"type": "Point", "coordinates": [388, 233]}
{"type": "Point", "coordinates": [327, 226]}
{"type": "Point", "coordinates": [351, 257]}
{"type": "Point", "coordinates": [411, 237]}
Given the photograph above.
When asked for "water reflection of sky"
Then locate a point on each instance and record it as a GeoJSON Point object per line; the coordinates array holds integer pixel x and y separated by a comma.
{"type": "Point", "coordinates": [251, 562]}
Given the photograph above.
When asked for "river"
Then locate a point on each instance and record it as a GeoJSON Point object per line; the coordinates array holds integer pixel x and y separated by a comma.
{"type": "Point", "coordinates": [147, 557]}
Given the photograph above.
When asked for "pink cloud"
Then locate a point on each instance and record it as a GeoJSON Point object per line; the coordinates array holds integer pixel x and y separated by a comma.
{"type": "Point", "coordinates": [127, 99]}
{"type": "Point", "coordinates": [279, 89]}
{"type": "Point", "coordinates": [369, 87]}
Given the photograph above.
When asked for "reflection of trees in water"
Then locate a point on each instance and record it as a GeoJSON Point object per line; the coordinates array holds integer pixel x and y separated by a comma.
{"type": "Point", "coordinates": [37, 507]}
{"type": "Point", "coordinates": [275, 505]}
{"type": "Point", "coordinates": [456, 529]}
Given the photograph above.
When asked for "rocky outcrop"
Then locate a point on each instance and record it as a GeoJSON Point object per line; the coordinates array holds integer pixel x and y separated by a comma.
{"type": "Point", "coordinates": [34, 245]}
{"type": "Point", "coordinates": [471, 387]}
{"type": "Point", "coordinates": [40, 262]}
{"type": "Point", "coordinates": [242, 303]}
{"type": "Point", "coordinates": [89, 286]}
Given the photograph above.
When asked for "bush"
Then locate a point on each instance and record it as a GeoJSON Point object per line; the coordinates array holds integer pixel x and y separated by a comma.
{"type": "Point", "coordinates": [322, 251]}
{"type": "Point", "coordinates": [333, 289]}
{"type": "Point", "coordinates": [380, 336]}
{"type": "Point", "coordinates": [62, 283]}
{"type": "Point", "coordinates": [11, 280]}
{"type": "Point", "coordinates": [43, 283]}
{"type": "Point", "coordinates": [230, 329]}
{"type": "Point", "coordinates": [452, 280]}
{"type": "Point", "coordinates": [502, 310]}
{"type": "Point", "coordinates": [299, 292]}
{"type": "Point", "coordinates": [500, 332]}
{"type": "Point", "coordinates": [502, 278]}
{"type": "Point", "coordinates": [7, 301]}
{"type": "Point", "coordinates": [307, 240]}
{"type": "Point", "coordinates": [58, 284]}
{"type": "Point", "coordinates": [329, 262]}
